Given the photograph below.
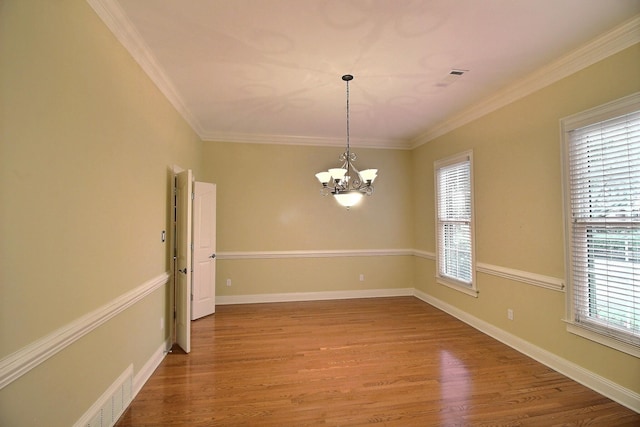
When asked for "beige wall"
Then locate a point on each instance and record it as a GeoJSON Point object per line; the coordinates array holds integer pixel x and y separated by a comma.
{"type": "Point", "coordinates": [518, 207]}
{"type": "Point", "coordinates": [86, 143]}
{"type": "Point", "coordinates": [269, 200]}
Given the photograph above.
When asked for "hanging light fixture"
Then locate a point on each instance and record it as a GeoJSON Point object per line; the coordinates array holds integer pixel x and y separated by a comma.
{"type": "Point", "coordinates": [346, 183]}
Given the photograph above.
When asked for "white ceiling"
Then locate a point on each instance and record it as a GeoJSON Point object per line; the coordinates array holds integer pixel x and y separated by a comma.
{"type": "Point", "coordinates": [270, 70]}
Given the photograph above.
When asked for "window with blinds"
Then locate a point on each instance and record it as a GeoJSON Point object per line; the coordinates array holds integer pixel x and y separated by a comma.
{"type": "Point", "coordinates": [602, 163]}
{"type": "Point", "coordinates": [455, 221]}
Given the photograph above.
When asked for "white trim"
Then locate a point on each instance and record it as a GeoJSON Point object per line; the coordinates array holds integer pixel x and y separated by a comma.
{"type": "Point", "coordinates": [616, 392]}
{"type": "Point", "coordinates": [508, 273]}
{"type": "Point", "coordinates": [578, 329]}
{"type": "Point", "coordinates": [522, 276]}
{"type": "Point", "coordinates": [598, 49]}
{"type": "Point", "coordinates": [473, 292]}
{"type": "Point", "coordinates": [458, 159]}
{"type": "Point", "coordinates": [610, 43]}
{"type": "Point", "coordinates": [143, 375]}
{"type": "Point", "coordinates": [535, 279]}
{"type": "Point", "coordinates": [96, 411]}
{"type": "Point", "coordinates": [103, 409]}
{"type": "Point", "coordinates": [616, 108]}
{"type": "Point", "coordinates": [424, 254]}
{"type": "Point", "coordinates": [312, 296]}
{"type": "Point", "coordinates": [600, 113]}
{"type": "Point", "coordinates": [318, 141]}
{"type": "Point", "coordinates": [314, 254]}
{"type": "Point", "coordinates": [22, 361]}
{"type": "Point", "coordinates": [116, 20]}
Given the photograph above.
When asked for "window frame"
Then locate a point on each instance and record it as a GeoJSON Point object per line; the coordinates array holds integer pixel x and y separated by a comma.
{"type": "Point", "coordinates": [451, 282]}
{"type": "Point", "coordinates": [611, 110]}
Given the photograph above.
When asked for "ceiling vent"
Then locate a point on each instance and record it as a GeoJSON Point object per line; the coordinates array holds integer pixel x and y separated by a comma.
{"type": "Point", "coordinates": [453, 75]}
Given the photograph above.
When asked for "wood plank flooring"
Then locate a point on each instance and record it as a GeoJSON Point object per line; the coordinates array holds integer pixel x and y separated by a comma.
{"type": "Point", "coordinates": [381, 361]}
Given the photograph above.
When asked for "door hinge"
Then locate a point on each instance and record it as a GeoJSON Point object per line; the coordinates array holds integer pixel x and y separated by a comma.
{"type": "Point", "coordinates": [193, 196]}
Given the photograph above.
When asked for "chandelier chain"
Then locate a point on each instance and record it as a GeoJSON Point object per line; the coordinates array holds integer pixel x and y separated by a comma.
{"type": "Point", "coordinates": [348, 145]}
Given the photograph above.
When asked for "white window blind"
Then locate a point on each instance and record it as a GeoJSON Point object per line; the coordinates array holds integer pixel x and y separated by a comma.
{"type": "Point", "coordinates": [454, 220]}
{"type": "Point", "coordinates": [604, 183]}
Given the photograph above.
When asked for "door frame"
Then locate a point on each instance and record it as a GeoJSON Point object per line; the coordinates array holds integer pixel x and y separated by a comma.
{"type": "Point", "coordinates": [183, 259]}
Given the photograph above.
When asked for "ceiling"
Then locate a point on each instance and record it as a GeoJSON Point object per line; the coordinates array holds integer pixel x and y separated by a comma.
{"type": "Point", "coordinates": [270, 70]}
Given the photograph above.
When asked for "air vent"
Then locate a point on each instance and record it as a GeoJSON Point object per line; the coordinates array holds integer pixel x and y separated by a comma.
{"type": "Point", "coordinates": [453, 75]}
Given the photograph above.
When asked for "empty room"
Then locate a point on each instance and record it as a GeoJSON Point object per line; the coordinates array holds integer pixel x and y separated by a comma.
{"type": "Point", "coordinates": [319, 212]}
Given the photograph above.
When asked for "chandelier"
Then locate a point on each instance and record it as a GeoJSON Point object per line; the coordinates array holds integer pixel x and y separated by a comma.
{"type": "Point", "coordinates": [346, 183]}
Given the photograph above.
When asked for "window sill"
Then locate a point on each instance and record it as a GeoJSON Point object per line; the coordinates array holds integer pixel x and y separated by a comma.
{"type": "Point", "coordinates": [576, 329]}
{"type": "Point", "coordinates": [471, 291]}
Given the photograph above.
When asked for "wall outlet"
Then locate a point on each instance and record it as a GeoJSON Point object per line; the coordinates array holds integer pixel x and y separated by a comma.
{"type": "Point", "coordinates": [361, 277]}
{"type": "Point", "coordinates": [509, 314]}
{"type": "Point", "coordinates": [162, 323]}
{"type": "Point", "coordinates": [228, 282]}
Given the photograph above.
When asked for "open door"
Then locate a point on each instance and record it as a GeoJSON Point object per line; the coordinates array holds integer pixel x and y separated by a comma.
{"type": "Point", "coordinates": [204, 250]}
{"type": "Point", "coordinates": [184, 189]}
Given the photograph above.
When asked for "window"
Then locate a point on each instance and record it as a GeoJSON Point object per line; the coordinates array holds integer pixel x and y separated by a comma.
{"type": "Point", "coordinates": [602, 198]}
{"type": "Point", "coordinates": [454, 223]}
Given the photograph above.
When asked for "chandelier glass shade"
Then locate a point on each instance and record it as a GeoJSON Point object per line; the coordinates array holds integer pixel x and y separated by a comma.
{"type": "Point", "coordinates": [346, 183]}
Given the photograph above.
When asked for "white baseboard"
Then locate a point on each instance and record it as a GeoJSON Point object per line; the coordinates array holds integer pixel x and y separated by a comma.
{"type": "Point", "coordinates": [111, 405]}
{"type": "Point", "coordinates": [143, 375]}
{"type": "Point", "coordinates": [312, 296]}
{"type": "Point", "coordinates": [613, 391]}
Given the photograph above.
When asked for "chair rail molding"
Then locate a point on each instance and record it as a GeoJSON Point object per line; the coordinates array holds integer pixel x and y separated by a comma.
{"type": "Point", "coordinates": [521, 276]}
{"type": "Point", "coordinates": [331, 253]}
{"type": "Point", "coordinates": [22, 361]}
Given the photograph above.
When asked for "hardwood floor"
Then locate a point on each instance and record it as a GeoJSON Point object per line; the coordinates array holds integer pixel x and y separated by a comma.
{"type": "Point", "coordinates": [384, 361]}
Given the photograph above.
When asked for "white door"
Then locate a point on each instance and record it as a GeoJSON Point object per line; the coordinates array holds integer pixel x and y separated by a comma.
{"type": "Point", "coordinates": [204, 250]}
{"type": "Point", "coordinates": [184, 188]}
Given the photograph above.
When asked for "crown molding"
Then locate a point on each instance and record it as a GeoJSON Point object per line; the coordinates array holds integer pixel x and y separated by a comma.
{"type": "Point", "coordinates": [392, 144]}
{"type": "Point", "coordinates": [609, 43]}
{"type": "Point", "coordinates": [598, 49]}
{"type": "Point", "coordinates": [116, 20]}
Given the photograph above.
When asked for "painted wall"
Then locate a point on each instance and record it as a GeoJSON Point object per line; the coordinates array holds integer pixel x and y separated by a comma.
{"type": "Point", "coordinates": [269, 200]}
{"type": "Point", "coordinates": [518, 208]}
{"type": "Point", "coordinates": [85, 149]}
